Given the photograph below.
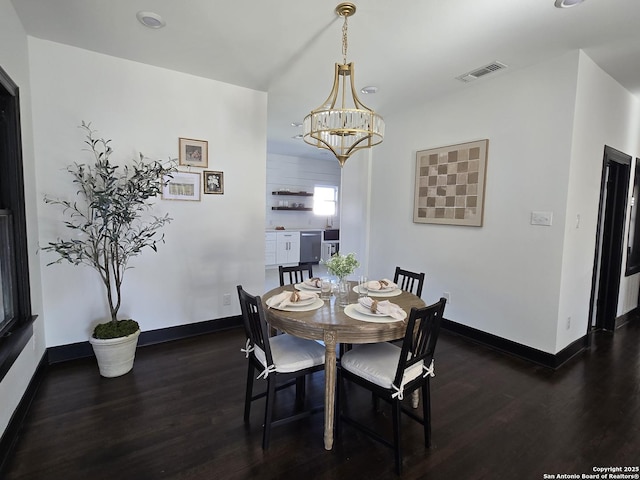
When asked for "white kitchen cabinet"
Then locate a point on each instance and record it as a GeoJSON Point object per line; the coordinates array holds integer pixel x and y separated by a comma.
{"type": "Point", "coordinates": [270, 240]}
{"type": "Point", "coordinates": [287, 248]}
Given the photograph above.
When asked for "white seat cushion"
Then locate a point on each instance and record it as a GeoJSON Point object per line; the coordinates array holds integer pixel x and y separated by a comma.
{"type": "Point", "coordinates": [377, 363]}
{"type": "Point", "coordinates": [291, 353]}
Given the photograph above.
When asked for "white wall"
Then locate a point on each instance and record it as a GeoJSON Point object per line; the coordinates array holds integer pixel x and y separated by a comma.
{"type": "Point", "coordinates": [547, 126]}
{"type": "Point", "coordinates": [355, 212]}
{"type": "Point", "coordinates": [211, 246]}
{"type": "Point", "coordinates": [503, 277]}
{"type": "Point", "coordinates": [605, 114]}
{"type": "Point", "coordinates": [14, 61]}
{"type": "Point", "coordinates": [298, 174]}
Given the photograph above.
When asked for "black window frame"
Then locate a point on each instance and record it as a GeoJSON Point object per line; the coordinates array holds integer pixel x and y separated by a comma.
{"type": "Point", "coordinates": [16, 333]}
{"type": "Point", "coordinates": [7, 271]}
{"type": "Point", "coordinates": [633, 234]}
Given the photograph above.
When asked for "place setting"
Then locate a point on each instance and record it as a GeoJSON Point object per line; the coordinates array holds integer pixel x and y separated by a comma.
{"type": "Point", "coordinates": [310, 284]}
{"type": "Point", "coordinates": [377, 288]}
{"type": "Point", "coordinates": [372, 310]}
{"type": "Point", "coordinates": [295, 301]}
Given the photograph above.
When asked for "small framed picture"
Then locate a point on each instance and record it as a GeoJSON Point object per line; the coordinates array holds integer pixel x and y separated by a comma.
{"type": "Point", "coordinates": [182, 186]}
{"type": "Point", "coordinates": [193, 153]}
{"type": "Point", "coordinates": [213, 182]}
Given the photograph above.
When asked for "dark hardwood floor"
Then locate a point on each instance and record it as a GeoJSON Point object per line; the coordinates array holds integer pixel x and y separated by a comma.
{"type": "Point", "coordinates": [178, 415]}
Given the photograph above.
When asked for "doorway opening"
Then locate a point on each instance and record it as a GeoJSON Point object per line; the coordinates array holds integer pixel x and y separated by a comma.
{"type": "Point", "coordinates": [605, 286]}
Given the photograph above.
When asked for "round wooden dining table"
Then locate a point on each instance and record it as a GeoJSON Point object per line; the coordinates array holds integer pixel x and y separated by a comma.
{"type": "Point", "coordinates": [332, 325]}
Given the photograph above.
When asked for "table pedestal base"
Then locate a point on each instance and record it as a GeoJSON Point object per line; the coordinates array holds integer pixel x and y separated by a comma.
{"type": "Point", "coordinates": [329, 386]}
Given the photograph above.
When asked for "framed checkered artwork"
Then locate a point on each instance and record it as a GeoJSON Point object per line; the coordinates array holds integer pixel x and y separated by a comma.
{"type": "Point", "coordinates": [450, 184]}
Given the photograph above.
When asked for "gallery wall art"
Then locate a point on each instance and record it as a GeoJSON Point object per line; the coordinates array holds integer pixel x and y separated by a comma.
{"type": "Point", "coordinates": [193, 153]}
{"type": "Point", "coordinates": [449, 186]}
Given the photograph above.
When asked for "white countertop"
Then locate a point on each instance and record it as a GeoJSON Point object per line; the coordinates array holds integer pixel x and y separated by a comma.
{"type": "Point", "coordinates": [298, 230]}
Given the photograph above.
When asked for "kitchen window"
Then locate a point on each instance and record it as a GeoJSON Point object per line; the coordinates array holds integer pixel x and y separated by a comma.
{"type": "Point", "coordinates": [325, 200]}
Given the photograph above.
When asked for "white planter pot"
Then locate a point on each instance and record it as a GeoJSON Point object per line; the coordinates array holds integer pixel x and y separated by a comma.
{"type": "Point", "coordinates": [115, 355]}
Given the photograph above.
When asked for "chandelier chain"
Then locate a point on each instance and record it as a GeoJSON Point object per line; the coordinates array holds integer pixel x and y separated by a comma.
{"type": "Point", "coordinates": [344, 40]}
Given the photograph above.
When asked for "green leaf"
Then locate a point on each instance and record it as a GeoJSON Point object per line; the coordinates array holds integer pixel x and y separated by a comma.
{"type": "Point", "coordinates": [111, 214]}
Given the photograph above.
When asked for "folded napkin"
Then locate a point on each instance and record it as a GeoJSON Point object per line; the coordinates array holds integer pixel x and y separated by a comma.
{"type": "Point", "coordinates": [381, 284]}
{"type": "Point", "coordinates": [287, 298]}
{"type": "Point", "coordinates": [314, 282]}
{"type": "Point", "coordinates": [384, 307]}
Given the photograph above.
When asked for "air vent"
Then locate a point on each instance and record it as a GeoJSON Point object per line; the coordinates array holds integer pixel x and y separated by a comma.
{"type": "Point", "coordinates": [481, 72]}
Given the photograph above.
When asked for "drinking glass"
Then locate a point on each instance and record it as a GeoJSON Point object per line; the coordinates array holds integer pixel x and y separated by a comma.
{"type": "Point", "coordinates": [325, 289]}
{"type": "Point", "coordinates": [343, 293]}
{"type": "Point", "coordinates": [363, 289]}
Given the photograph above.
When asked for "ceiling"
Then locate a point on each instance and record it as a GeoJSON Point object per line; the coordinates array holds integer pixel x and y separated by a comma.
{"type": "Point", "coordinates": [407, 48]}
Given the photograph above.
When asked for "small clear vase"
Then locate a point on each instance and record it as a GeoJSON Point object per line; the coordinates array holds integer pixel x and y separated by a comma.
{"type": "Point", "coordinates": [343, 292]}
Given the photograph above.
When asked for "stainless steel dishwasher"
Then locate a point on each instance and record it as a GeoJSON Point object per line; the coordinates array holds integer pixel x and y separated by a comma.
{"type": "Point", "coordinates": [310, 246]}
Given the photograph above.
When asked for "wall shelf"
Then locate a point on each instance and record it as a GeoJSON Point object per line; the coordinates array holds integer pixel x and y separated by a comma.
{"type": "Point", "coordinates": [300, 209]}
{"type": "Point", "coordinates": [295, 194]}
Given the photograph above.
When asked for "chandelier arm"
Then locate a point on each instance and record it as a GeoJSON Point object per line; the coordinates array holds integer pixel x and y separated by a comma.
{"type": "Point", "coordinates": [355, 147]}
{"type": "Point", "coordinates": [326, 145]}
{"type": "Point", "coordinates": [330, 102]}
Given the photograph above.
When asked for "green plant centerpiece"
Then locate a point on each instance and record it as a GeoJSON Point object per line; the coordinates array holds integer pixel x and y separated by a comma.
{"type": "Point", "coordinates": [111, 221]}
{"type": "Point", "coordinates": [342, 265]}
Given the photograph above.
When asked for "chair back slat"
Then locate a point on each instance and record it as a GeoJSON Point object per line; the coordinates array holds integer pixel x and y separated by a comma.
{"type": "Point", "coordinates": [255, 325]}
{"type": "Point", "coordinates": [409, 281]}
{"type": "Point", "coordinates": [295, 273]}
{"type": "Point", "coordinates": [423, 328]}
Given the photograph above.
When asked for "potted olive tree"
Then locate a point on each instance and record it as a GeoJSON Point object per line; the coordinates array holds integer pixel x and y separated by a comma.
{"type": "Point", "coordinates": [111, 226]}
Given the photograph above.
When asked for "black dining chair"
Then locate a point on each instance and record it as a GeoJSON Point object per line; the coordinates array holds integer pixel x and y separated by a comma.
{"type": "Point", "coordinates": [391, 372]}
{"type": "Point", "coordinates": [409, 281]}
{"type": "Point", "coordinates": [295, 272]}
{"type": "Point", "coordinates": [283, 358]}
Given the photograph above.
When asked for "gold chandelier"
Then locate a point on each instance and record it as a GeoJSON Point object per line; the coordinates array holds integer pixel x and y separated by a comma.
{"type": "Point", "coordinates": [343, 124]}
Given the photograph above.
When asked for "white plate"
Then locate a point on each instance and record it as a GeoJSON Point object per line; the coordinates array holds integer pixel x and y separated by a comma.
{"type": "Point", "coordinates": [367, 311]}
{"type": "Point", "coordinates": [384, 290]}
{"type": "Point", "coordinates": [381, 290]}
{"type": "Point", "coordinates": [317, 303]}
{"type": "Point", "coordinates": [303, 286]}
{"type": "Point", "coordinates": [300, 303]}
{"type": "Point", "coordinates": [394, 292]}
{"type": "Point", "coordinates": [351, 311]}
{"type": "Point", "coordinates": [305, 302]}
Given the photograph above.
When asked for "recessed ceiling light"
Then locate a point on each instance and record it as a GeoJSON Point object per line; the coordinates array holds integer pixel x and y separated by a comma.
{"type": "Point", "coordinates": [297, 137]}
{"type": "Point", "coordinates": [296, 124]}
{"type": "Point", "coordinates": [369, 89]}
{"type": "Point", "coordinates": [568, 3]}
{"type": "Point", "coordinates": [150, 19]}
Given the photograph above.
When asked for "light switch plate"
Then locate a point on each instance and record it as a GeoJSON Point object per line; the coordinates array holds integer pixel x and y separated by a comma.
{"type": "Point", "coordinates": [541, 218]}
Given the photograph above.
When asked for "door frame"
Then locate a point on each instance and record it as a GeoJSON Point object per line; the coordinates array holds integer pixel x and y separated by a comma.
{"type": "Point", "coordinates": [607, 265]}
